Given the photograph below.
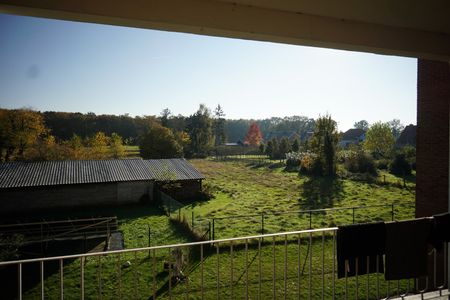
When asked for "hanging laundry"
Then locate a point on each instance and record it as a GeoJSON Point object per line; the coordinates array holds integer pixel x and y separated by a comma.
{"type": "Point", "coordinates": [440, 230]}
{"type": "Point", "coordinates": [406, 248]}
{"type": "Point", "coordinates": [360, 244]}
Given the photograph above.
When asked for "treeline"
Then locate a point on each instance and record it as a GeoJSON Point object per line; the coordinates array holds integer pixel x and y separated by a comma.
{"type": "Point", "coordinates": [25, 136]}
{"type": "Point", "coordinates": [64, 125]}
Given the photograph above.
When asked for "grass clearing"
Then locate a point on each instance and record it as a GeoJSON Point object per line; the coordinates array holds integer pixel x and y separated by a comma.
{"type": "Point", "coordinates": [239, 189]}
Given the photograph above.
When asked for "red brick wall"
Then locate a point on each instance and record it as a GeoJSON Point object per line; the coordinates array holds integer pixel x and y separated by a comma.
{"type": "Point", "coordinates": [433, 98]}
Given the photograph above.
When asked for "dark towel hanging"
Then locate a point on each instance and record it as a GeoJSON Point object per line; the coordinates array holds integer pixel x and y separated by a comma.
{"type": "Point", "coordinates": [360, 241]}
{"type": "Point", "coordinates": [406, 249]}
{"type": "Point", "coordinates": [440, 230]}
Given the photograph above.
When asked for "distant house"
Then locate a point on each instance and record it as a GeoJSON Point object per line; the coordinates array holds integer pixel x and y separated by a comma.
{"type": "Point", "coordinates": [290, 135]}
{"type": "Point", "coordinates": [34, 186]}
{"type": "Point", "coordinates": [352, 136]}
{"type": "Point", "coordinates": [408, 136]}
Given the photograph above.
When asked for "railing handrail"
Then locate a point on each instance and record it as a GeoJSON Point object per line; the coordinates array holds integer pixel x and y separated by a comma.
{"type": "Point", "coordinates": [131, 250]}
{"type": "Point", "coordinates": [57, 222]}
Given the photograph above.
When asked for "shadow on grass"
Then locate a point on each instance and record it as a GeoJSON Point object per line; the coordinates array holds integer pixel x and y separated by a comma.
{"type": "Point", "coordinates": [320, 192]}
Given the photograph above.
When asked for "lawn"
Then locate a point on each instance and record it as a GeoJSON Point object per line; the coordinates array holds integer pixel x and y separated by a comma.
{"type": "Point", "coordinates": [239, 189]}
{"type": "Point", "coordinates": [247, 189]}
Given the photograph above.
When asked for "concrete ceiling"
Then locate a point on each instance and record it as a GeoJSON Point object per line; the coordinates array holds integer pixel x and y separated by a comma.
{"type": "Point", "coordinates": [414, 28]}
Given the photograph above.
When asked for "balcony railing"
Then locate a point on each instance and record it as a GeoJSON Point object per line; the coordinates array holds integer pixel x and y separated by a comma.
{"type": "Point", "coordinates": [290, 265]}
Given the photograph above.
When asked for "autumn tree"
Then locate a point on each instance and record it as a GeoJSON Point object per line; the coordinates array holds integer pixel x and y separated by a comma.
{"type": "Point", "coordinates": [98, 146]}
{"type": "Point", "coordinates": [254, 135]}
{"type": "Point", "coordinates": [19, 129]}
{"type": "Point", "coordinates": [379, 140]}
{"type": "Point", "coordinates": [74, 148]}
{"type": "Point", "coordinates": [324, 143]}
{"type": "Point", "coordinates": [159, 142]}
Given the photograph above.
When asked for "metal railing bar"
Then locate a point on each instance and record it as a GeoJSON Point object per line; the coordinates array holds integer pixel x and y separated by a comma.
{"type": "Point", "coordinates": [285, 266]}
{"type": "Point", "coordinates": [61, 279]}
{"type": "Point", "coordinates": [299, 262]}
{"type": "Point", "coordinates": [171, 273]}
{"type": "Point", "coordinates": [41, 274]}
{"type": "Point", "coordinates": [75, 256]}
{"type": "Point", "coordinates": [274, 290]}
{"type": "Point", "coordinates": [218, 271]}
{"type": "Point", "coordinates": [323, 265]}
{"type": "Point", "coordinates": [19, 281]}
{"type": "Point", "coordinates": [310, 266]}
{"type": "Point", "coordinates": [82, 277]}
{"type": "Point", "coordinates": [201, 271]}
{"type": "Point", "coordinates": [231, 271]}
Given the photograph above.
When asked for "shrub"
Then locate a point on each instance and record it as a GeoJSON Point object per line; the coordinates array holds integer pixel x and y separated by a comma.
{"type": "Point", "coordinates": [361, 162]}
{"type": "Point", "coordinates": [293, 160]}
{"type": "Point", "coordinates": [383, 164]}
{"type": "Point", "coordinates": [310, 164]}
{"type": "Point", "coordinates": [400, 166]}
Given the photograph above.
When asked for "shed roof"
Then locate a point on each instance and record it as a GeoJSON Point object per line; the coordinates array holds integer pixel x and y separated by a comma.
{"type": "Point", "coordinates": [47, 173]}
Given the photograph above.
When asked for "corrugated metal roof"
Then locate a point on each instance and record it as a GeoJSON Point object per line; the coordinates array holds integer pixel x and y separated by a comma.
{"type": "Point", "coordinates": [45, 173]}
{"type": "Point", "coordinates": [172, 169]}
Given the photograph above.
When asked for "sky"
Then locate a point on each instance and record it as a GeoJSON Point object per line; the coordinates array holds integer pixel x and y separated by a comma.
{"type": "Point", "coordinates": [52, 65]}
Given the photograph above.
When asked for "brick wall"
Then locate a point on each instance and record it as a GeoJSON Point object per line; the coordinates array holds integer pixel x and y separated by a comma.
{"type": "Point", "coordinates": [433, 98]}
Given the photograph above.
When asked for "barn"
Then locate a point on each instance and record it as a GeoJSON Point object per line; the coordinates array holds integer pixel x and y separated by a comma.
{"type": "Point", "coordinates": [53, 185]}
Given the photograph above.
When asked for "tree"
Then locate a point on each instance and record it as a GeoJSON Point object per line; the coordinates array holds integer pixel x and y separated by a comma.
{"type": "Point", "coordinates": [74, 148]}
{"type": "Point", "coordinates": [165, 114]}
{"type": "Point", "coordinates": [19, 129]}
{"type": "Point", "coordinates": [296, 145]}
{"type": "Point", "coordinates": [97, 146]}
{"type": "Point", "coordinates": [284, 148]}
{"type": "Point", "coordinates": [379, 140]}
{"type": "Point", "coordinates": [269, 149]}
{"type": "Point", "coordinates": [262, 148]}
{"type": "Point", "coordinates": [219, 125]}
{"type": "Point", "coordinates": [200, 130]}
{"type": "Point", "coordinates": [116, 146]}
{"type": "Point", "coordinates": [396, 127]}
{"type": "Point", "coordinates": [159, 142]}
{"type": "Point", "coordinates": [363, 124]}
{"type": "Point", "coordinates": [324, 144]}
{"type": "Point", "coordinates": [254, 135]}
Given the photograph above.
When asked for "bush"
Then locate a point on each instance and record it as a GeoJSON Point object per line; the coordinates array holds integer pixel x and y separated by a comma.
{"type": "Point", "coordinates": [383, 164]}
{"type": "Point", "coordinates": [310, 164]}
{"type": "Point", "coordinates": [293, 160]}
{"type": "Point", "coordinates": [361, 162]}
{"type": "Point", "coordinates": [400, 166]}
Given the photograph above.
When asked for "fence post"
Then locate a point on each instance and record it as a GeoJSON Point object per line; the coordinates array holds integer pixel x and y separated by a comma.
{"type": "Point", "coordinates": [214, 230]}
{"type": "Point", "coordinates": [353, 210]}
{"type": "Point", "coordinates": [310, 219]}
{"type": "Point", "coordinates": [262, 223]}
{"type": "Point", "coordinates": [209, 229]}
{"type": "Point", "coordinates": [392, 212]}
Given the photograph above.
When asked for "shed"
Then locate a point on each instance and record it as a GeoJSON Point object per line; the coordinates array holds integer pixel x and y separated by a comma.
{"type": "Point", "coordinates": [50, 185]}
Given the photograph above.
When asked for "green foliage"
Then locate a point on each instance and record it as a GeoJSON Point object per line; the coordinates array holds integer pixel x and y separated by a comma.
{"type": "Point", "coordinates": [200, 130]}
{"type": "Point", "coordinates": [285, 147]}
{"type": "Point", "coordinates": [400, 166]}
{"type": "Point", "coordinates": [396, 127]}
{"type": "Point", "coordinates": [159, 142]}
{"type": "Point", "coordinates": [219, 125]}
{"type": "Point", "coordinates": [363, 124]}
{"type": "Point", "coordinates": [360, 162]}
{"type": "Point", "coordinates": [295, 145]}
{"type": "Point", "coordinates": [116, 146]}
{"type": "Point", "coordinates": [262, 148]}
{"type": "Point", "coordinates": [324, 144]}
{"type": "Point", "coordinates": [379, 140]}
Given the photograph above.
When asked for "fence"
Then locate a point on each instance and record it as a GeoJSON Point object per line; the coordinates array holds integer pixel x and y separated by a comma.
{"type": "Point", "coordinates": [299, 264]}
{"type": "Point", "coordinates": [260, 221]}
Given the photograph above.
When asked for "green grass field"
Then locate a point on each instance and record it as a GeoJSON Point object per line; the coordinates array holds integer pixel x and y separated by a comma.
{"type": "Point", "coordinates": [239, 189]}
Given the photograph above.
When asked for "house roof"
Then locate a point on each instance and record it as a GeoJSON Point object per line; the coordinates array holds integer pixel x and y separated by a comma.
{"type": "Point", "coordinates": [47, 173]}
{"type": "Point", "coordinates": [352, 134]}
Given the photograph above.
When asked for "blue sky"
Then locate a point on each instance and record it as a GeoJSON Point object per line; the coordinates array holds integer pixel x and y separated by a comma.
{"type": "Point", "coordinates": [77, 67]}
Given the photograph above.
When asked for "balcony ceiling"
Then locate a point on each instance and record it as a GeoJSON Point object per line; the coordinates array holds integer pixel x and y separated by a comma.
{"type": "Point", "coordinates": [414, 28]}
